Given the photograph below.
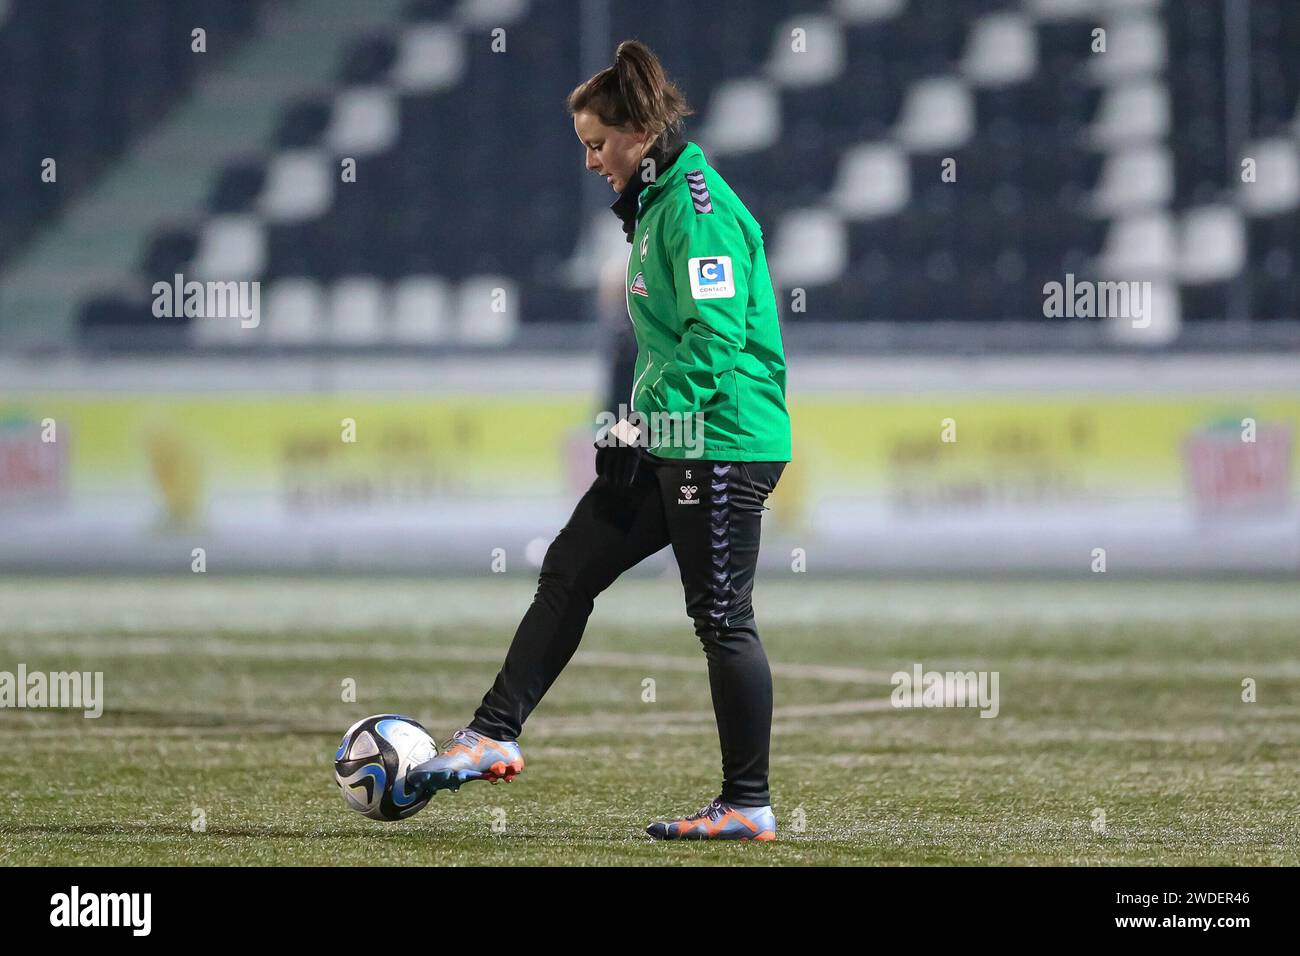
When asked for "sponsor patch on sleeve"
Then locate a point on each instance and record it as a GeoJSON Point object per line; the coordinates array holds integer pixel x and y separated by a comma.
{"type": "Point", "coordinates": [711, 277]}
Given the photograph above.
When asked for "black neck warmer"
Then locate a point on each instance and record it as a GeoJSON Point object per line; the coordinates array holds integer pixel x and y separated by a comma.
{"type": "Point", "coordinates": [664, 154]}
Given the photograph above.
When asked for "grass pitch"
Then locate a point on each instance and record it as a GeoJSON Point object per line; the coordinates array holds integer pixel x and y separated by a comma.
{"type": "Point", "coordinates": [1122, 735]}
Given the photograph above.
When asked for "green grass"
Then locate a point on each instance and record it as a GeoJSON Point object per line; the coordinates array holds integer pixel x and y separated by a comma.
{"type": "Point", "coordinates": [224, 695]}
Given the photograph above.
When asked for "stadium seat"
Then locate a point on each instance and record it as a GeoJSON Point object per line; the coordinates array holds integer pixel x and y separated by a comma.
{"type": "Point", "coordinates": [1212, 244]}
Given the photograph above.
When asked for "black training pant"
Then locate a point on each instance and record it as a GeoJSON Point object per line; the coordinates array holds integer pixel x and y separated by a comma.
{"type": "Point", "coordinates": [710, 512]}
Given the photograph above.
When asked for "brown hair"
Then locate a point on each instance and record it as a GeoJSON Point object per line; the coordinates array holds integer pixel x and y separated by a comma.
{"type": "Point", "coordinates": [635, 92]}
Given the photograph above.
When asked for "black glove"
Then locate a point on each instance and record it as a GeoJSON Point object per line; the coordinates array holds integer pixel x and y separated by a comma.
{"type": "Point", "coordinates": [617, 461]}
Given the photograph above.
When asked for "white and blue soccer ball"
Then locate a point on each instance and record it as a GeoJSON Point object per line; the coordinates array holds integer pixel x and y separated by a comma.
{"type": "Point", "coordinates": [372, 763]}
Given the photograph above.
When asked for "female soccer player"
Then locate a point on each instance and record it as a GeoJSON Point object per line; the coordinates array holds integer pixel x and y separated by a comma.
{"type": "Point", "coordinates": [690, 466]}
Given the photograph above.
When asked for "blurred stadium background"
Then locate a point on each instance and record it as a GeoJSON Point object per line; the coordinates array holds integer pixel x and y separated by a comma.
{"type": "Point", "coordinates": [454, 301]}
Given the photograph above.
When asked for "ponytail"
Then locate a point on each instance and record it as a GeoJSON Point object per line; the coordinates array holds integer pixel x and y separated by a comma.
{"type": "Point", "coordinates": [634, 92]}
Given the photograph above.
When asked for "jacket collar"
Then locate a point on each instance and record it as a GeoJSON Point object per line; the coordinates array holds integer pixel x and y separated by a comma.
{"type": "Point", "coordinates": [668, 163]}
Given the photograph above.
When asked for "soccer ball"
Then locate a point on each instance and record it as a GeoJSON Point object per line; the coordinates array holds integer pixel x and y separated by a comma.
{"type": "Point", "coordinates": [373, 760]}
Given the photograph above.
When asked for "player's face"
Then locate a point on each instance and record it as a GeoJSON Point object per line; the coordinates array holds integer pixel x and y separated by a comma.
{"type": "Point", "coordinates": [612, 152]}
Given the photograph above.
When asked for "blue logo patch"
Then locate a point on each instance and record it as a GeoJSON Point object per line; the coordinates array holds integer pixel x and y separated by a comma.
{"type": "Point", "coordinates": [712, 272]}
{"type": "Point", "coordinates": [711, 277]}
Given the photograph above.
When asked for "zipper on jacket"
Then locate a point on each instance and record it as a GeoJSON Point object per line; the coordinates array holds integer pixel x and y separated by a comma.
{"type": "Point", "coordinates": [627, 299]}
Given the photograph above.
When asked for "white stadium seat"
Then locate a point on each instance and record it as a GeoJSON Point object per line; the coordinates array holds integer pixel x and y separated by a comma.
{"type": "Point", "coordinates": [1002, 49]}
{"type": "Point", "coordinates": [230, 247]}
{"type": "Point", "coordinates": [1277, 177]}
{"type": "Point", "coordinates": [365, 121]}
{"type": "Point", "coordinates": [294, 312]}
{"type": "Point", "coordinates": [430, 57]}
{"type": "Point", "coordinates": [1136, 111]}
{"type": "Point", "coordinates": [299, 185]}
{"type": "Point", "coordinates": [1212, 244]}
{"type": "Point", "coordinates": [478, 321]}
{"type": "Point", "coordinates": [938, 113]}
{"type": "Point", "coordinates": [873, 180]}
{"type": "Point", "coordinates": [600, 233]}
{"type": "Point", "coordinates": [811, 248]}
{"type": "Point", "coordinates": [1135, 46]}
{"type": "Point", "coordinates": [743, 116]}
{"type": "Point", "coordinates": [820, 60]}
{"type": "Point", "coordinates": [1160, 322]}
{"type": "Point", "coordinates": [1141, 177]}
{"type": "Point", "coordinates": [421, 310]}
{"type": "Point", "coordinates": [358, 307]}
{"type": "Point", "coordinates": [1140, 246]}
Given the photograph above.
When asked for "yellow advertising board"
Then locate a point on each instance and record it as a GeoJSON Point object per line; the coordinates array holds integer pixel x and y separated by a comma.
{"type": "Point", "coordinates": [931, 454]}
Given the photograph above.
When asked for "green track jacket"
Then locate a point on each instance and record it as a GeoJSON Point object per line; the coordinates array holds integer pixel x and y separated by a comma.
{"type": "Point", "coordinates": [701, 303]}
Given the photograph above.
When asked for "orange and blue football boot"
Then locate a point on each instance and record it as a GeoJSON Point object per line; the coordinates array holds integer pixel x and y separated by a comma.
{"type": "Point", "coordinates": [468, 755]}
{"type": "Point", "coordinates": [719, 821]}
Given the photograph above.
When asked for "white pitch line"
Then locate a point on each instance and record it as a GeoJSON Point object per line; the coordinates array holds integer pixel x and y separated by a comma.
{"type": "Point", "coordinates": [333, 651]}
{"type": "Point", "coordinates": [197, 645]}
{"type": "Point", "coordinates": [659, 723]}
{"type": "Point", "coordinates": [629, 724]}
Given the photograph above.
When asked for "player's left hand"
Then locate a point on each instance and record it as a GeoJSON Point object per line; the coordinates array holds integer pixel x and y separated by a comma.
{"type": "Point", "coordinates": [618, 456]}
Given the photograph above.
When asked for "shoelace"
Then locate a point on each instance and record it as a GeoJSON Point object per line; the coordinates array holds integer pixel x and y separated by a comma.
{"type": "Point", "coordinates": [712, 811]}
{"type": "Point", "coordinates": [467, 737]}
